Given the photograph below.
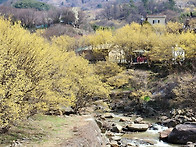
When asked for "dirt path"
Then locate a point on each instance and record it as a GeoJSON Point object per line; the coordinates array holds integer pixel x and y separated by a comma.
{"type": "Point", "coordinates": [86, 134]}
{"type": "Point", "coordinates": [79, 131]}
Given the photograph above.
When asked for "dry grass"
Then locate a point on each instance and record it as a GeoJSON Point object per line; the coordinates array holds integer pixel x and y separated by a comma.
{"type": "Point", "coordinates": [40, 130]}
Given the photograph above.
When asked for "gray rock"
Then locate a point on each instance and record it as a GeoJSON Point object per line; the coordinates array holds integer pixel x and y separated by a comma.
{"type": "Point", "coordinates": [191, 123]}
{"type": "Point", "coordinates": [114, 143]}
{"type": "Point", "coordinates": [127, 108]}
{"type": "Point", "coordinates": [116, 128]}
{"type": "Point", "coordinates": [124, 119]}
{"type": "Point", "coordinates": [193, 119]}
{"type": "Point", "coordinates": [164, 134]}
{"type": "Point", "coordinates": [138, 120]}
{"type": "Point", "coordinates": [170, 123]}
{"type": "Point", "coordinates": [108, 115]}
{"type": "Point", "coordinates": [183, 133]}
{"type": "Point", "coordinates": [163, 118]}
{"type": "Point", "coordinates": [67, 110]}
{"type": "Point", "coordinates": [137, 127]}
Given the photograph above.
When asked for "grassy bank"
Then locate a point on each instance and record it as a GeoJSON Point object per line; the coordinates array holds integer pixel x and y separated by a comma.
{"type": "Point", "coordinates": [39, 130]}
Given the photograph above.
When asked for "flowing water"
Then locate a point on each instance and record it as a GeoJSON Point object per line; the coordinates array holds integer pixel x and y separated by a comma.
{"type": "Point", "coordinates": [149, 138]}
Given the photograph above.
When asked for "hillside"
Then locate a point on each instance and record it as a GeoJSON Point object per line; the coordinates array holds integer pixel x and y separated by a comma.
{"type": "Point", "coordinates": [95, 13]}
{"type": "Point", "coordinates": [92, 4]}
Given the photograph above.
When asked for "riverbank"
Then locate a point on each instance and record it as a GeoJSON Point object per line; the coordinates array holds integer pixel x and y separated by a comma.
{"type": "Point", "coordinates": [133, 129]}
{"type": "Point", "coordinates": [111, 129]}
{"type": "Point", "coordinates": [50, 131]}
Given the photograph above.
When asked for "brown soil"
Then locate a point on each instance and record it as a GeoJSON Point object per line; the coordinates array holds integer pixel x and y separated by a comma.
{"type": "Point", "coordinates": [86, 134]}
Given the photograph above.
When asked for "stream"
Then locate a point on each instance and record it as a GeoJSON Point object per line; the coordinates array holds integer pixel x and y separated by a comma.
{"type": "Point", "coordinates": [149, 138]}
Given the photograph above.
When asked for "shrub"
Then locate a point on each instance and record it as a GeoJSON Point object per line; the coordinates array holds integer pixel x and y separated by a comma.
{"type": "Point", "coordinates": [141, 95]}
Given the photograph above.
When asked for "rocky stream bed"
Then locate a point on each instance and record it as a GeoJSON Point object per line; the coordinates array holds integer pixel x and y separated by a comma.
{"type": "Point", "coordinates": [124, 129]}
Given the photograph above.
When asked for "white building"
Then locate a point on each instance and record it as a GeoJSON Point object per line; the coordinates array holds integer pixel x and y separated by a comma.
{"type": "Point", "coordinates": [156, 19]}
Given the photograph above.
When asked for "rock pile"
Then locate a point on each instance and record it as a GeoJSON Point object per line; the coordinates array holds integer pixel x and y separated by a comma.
{"type": "Point", "coordinates": [178, 116]}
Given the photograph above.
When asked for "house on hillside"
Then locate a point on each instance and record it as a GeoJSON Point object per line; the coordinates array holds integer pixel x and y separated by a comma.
{"type": "Point", "coordinates": [113, 53]}
{"type": "Point", "coordinates": [156, 19]}
{"type": "Point", "coordinates": [117, 55]}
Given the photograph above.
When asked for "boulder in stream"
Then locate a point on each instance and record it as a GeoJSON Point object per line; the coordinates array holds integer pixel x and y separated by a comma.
{"type": "Point", "coordinates": [107, 115]}
{"type": "Point", "coordinates": [116, 128]}
{"type": "Point", "coordinates": [137, 127]}
{"type": "Point", "coordinates": [183, 133]}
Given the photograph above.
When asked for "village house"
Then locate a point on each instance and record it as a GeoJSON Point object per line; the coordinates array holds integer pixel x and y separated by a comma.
{"type": "Point", "coordinates": [112, 53]}
{"type": "Point", "coordinates": [117, 55]}
{"type": "Point", "coordinates": [156, 19]}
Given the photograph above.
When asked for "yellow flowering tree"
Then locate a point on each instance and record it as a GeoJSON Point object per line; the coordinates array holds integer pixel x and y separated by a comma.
{"type": "Point", "coordinates": [37, 75]}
